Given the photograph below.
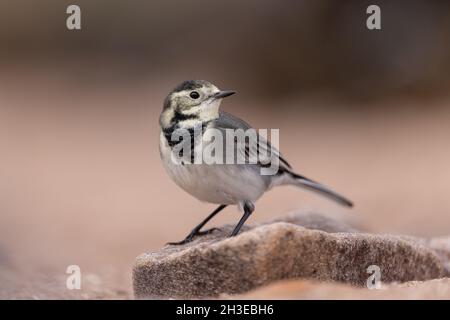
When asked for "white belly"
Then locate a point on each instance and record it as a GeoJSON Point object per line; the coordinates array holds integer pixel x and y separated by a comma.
{"type": "Point", "coordinates": [216, 183]}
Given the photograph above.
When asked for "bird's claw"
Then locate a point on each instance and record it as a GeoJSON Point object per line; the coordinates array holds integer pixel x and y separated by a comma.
{"type": "Point", "coordinates": [179, 243]}
{"type": "Point", "coordinates": [191, 236]}
{"type": "Point", "coordinates": [202, 233]}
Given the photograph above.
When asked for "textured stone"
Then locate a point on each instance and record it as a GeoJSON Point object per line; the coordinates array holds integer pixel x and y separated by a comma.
{"type": "Point", "coordinates": [214, 264]}
{"type": "Point", "coordinates": [441, 246]}
{"type": "Point", "coordinates": [306, 289]}
{"type": "Point", "coordinates": [318, 221]}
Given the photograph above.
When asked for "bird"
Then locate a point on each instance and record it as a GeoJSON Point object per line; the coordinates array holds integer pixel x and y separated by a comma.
{"type": "Point", "coordinates": [193, 107]}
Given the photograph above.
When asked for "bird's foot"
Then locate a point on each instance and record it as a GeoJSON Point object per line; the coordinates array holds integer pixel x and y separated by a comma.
{"type": "Point", "coordinates": [202, 233]}
{"type": "Point", "coordinates": [191, 236]}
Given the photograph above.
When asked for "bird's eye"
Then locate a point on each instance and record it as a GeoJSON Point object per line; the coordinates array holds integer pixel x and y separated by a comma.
{"type": "Point", "coordinates": [194, 95]}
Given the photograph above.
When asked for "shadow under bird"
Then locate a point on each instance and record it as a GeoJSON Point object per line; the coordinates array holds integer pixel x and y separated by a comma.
{"type": "Point", "coordinates": [193, 106]}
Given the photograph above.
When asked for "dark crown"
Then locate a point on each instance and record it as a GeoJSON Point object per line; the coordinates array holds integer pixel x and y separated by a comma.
{"type": "Point", "coordinates": [190, 85]}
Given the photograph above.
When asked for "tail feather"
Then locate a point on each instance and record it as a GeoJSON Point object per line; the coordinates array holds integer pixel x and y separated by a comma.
{"type": "Point", "coordinates": [317, 187]}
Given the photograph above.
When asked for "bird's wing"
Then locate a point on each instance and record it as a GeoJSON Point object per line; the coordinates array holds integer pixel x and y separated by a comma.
{"type": "Point", "coordinates": [228, 121]}
{"type": "Point", "coordinates": [254, 146]}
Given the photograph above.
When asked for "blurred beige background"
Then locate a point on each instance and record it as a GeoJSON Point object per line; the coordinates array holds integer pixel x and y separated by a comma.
{"type": "Point", "coordinates": [365, 112]}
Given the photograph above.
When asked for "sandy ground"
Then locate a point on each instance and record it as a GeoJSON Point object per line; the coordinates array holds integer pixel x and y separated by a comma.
{"type": "Point", "coordinates": [81, 180]}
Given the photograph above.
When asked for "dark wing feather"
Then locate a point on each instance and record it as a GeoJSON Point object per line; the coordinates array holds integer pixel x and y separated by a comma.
{"type": "Point", "coordinates": [228, 121]}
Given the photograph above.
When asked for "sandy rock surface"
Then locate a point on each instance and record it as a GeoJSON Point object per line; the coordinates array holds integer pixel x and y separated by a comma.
{"type": "Point", "coordinates": [300, 245]}
{"type": "Point", "coordinates": [307, 289]}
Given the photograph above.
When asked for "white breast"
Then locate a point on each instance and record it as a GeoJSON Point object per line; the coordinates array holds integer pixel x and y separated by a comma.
{"type": "Point", "coordinates": [215, 183]}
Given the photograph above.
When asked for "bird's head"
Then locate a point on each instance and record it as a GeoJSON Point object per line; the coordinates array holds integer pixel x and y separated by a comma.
{"type": "Point", "coordinates": [195, 100]}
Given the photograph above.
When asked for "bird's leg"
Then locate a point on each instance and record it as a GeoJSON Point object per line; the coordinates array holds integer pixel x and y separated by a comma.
{"type": "Point", "coordinates": [248, 209]}
{"type": "Point", "coordinates": [196, 231]}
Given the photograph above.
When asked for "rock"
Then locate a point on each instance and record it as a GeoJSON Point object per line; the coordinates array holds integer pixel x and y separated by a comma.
{"type": "Point", "coordinates": [213, 264]}
{"type": "Point", "coordinates": [442, 247]}
{"type": "Point", "coordinates": [317, 221]}
{"type": "Point", "coordinates": [306, 289]}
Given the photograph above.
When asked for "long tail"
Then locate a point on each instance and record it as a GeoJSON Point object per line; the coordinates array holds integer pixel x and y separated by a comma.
{"type": "Point", "coordinates": [306, 183]}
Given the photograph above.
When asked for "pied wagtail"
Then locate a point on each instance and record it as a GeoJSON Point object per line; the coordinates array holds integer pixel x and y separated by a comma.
{"type": "Point", "coordinates": [195, 104]}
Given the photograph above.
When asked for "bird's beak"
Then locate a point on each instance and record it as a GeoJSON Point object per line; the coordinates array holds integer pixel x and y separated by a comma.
{"type": "Point", "coordinates": [223, 94]}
